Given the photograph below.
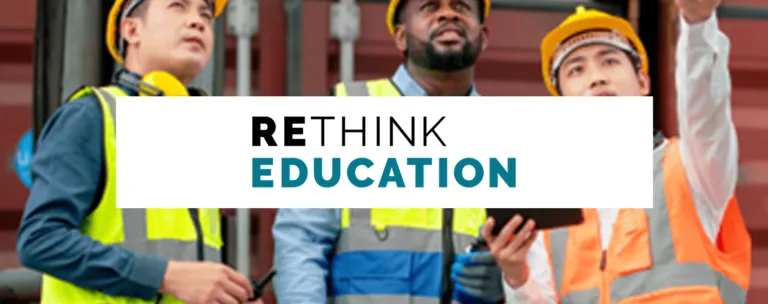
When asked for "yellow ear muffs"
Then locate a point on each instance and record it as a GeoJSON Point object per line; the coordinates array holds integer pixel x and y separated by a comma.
{"type": "Point", "coordinates": [164, 82]}
{"type": "Point", "coordinates": [155, 83]}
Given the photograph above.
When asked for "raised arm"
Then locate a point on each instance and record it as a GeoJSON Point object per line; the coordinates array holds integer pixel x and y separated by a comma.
{"type": "Point", "coordinates": [708, 142]}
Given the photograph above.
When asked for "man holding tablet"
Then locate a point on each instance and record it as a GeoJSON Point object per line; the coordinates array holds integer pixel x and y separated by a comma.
{"type": "Point", "coordinates": [692, 246]}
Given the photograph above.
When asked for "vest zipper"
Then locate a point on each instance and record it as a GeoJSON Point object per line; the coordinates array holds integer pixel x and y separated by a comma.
{"type": "Point", "coordinates": [446, 292]}
{"type": "Point", "coordinates": [605, 287]}
{"type": "Point", "coordinates": [603, 261]}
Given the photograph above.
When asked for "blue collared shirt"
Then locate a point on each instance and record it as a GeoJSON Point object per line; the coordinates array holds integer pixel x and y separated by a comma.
{"type": "Point", "coordinates": [67, 183]}
{"type": "Point", "coordinates": [304, 238]}
{"type": "Point", "coordinates": [409, 87]}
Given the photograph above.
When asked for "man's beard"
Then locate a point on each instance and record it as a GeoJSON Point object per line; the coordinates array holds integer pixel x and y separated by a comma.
{"type": "Point", "coordinates": [424, 54]}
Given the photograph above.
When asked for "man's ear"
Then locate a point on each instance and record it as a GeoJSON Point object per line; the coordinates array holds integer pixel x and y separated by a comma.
{"type": "Point", "coordinates": [400, 42]}
{"type": "Point", "coordinates": [645, 83]}
{"type": "Point", "coordinates": [130, 30]}
{"type": "Point", "coordinates": [486, 34]}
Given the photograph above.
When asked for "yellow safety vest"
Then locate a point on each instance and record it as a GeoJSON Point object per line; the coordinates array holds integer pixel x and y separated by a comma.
{"type": "Point", "coordinates": [169, 233]}
{"type": "Point", "coordinates": [388, 256]}
{"type": "Point", "coordinates": [378, 87]}
{"type": "Point", "coordinates": [385, 256]}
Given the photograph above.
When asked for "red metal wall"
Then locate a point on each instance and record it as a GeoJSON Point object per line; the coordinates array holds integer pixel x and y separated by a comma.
{"type": "Point", "coordinates": [510, 66]}
{"type": "Point", "coordinates": [749, 65]}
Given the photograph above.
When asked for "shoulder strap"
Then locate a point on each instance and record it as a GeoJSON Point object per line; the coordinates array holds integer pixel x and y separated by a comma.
{"type": "Point", "coordinates": [353, 88]}
{"type": "Point", "coordinates": [357, 88]}
{"type": "Point", "coordinates": [80, 92]}
{"type": "Point", "coordinates": [113, 90]}
{"type": "Point", "coordinates": [107, 98]}
{"type": "Point", "coordinates": [89, 90]}
{"type": "Point", "coordinates": [377, 87]}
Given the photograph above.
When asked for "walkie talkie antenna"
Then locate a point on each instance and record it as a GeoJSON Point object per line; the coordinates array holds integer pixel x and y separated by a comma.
{"type": "Point", "coordinates": [258, 287]}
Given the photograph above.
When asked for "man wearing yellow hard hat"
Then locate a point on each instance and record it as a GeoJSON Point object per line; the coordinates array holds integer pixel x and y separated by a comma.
{"type": "Point", "coordinates": [385, 255]}
{"type": "Point", "coordinates": [89, 250]}
{"type": "Point", "coordinates": [440, 40]}
{"type": "Point", "coordinates": [692, 246]}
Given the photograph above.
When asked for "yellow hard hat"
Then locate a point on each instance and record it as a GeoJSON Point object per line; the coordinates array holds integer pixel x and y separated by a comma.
{"type": "Point", "coordinates": [116, 15]}
{"type": "Point", "coordinates": [393, 5]}
{"type": "Point", "coordinates": [618, 33]}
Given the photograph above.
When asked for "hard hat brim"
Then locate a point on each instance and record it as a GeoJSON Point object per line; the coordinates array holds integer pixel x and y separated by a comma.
{"type": "Point", "coordinates": [395, 4]}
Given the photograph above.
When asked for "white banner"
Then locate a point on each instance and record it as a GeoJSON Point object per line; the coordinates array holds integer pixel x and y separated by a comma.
{"type": "Point", "coordinates": [394, 152]}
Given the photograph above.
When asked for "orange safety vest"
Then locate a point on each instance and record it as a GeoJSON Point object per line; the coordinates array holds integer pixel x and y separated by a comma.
{"type": "Point", "coordinates": [659, 255]}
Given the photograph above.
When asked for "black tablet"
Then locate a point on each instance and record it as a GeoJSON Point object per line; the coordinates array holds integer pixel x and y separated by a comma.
{"type": "Point", "coordinates": [544, 218]}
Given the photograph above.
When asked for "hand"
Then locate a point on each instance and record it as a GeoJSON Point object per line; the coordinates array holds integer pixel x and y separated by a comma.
{"type": "Point", "coordinates": [259, 301]}
{"type": "Point", "coordinates": [511, 251]}
{"type": "Point", "coordinates": [206, 282]}
{"type": "Point", "coordinates": [477, 277]}
{"type": "Point", "coordinates": [695, 11]}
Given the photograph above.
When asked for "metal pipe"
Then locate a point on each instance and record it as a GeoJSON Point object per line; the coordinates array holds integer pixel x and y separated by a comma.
{"type": "Point", "coordinates": [293, 13]}
{"type": "Point", "coordinates": [243, 215]}
{"type": "Point", "coordinates": [243, 66]}
{"type": "Point", "coordinates": [347, 52]}
{"type": "Point", "coordinates": [244, 24]}
{"type": "Point", "coordinates": [48, 61]}
{"type": "Point", "coordinates": [244, 241]}
{"type": "Point", "coordinates": [345, 27]}
{"type": "Point", "coordinates": [347, 61]}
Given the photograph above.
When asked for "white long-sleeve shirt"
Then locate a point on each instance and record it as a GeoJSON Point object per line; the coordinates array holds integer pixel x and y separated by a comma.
{"type": "Point", "coordinates": [708, 147]}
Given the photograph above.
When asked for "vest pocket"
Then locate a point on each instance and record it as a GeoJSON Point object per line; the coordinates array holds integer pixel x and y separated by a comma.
{"type": "Point", "coordinates": [375, 272]}
{"type": "Point", "coordinates": [629, 251]}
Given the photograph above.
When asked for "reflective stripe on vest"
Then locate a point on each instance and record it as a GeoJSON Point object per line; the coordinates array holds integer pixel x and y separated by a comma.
{"type": "Point", "coordinates": [169, 233]}
{"type": "Point", "coordinates": [386, 299]}
{"type": "Point", "coordinates": [395, 255]}
{"type": "Point", "coordinates": [138, 240]}
{"type": "Point", "coordinates": [357, 88]}
{"type": "Point", "coordinates": [378, 87]}
{"type": "Point", "coordinates": [664, 269]}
